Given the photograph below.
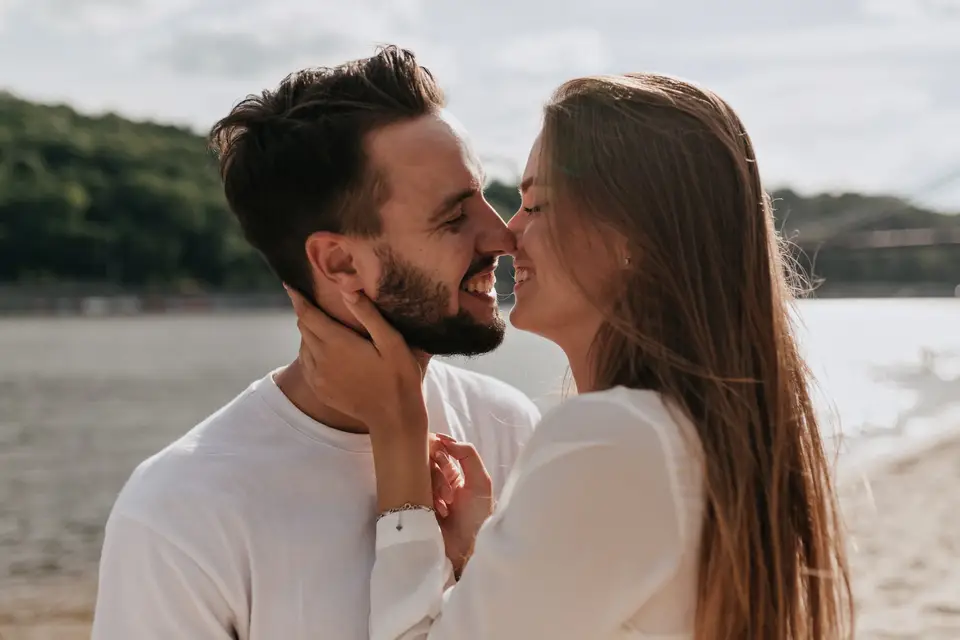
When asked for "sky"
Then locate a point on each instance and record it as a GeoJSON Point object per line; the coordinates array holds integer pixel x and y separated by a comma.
{"type": "Point", "coordinates": [836, 94]}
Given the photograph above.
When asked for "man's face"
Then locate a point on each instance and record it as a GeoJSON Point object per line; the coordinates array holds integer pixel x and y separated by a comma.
{"type": "Point", "coordinates": [440, 241]}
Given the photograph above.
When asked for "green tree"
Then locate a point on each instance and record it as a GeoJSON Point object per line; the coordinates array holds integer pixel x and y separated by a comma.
{"type": "Point", "coordinates": [139, 205]}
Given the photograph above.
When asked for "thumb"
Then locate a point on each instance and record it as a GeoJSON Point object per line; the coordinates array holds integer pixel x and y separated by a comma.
{"type": "Point", "coordinates": [474, 472]}
{"type": "Point", "coordinates": [384, 336]}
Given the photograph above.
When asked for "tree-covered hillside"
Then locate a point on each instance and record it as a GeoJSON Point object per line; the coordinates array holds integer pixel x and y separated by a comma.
{"type": "Point", "coordinates": [104, 200]}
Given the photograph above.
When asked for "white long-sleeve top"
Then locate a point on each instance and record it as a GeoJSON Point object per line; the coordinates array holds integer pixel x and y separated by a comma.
{"type": "Point", "coordinates": [596, 536]}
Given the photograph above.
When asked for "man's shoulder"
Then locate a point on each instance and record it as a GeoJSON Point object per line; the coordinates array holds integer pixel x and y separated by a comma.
{"type": "Point", "coordinates": [193, 476]}
{"type": "Point", "coordinates": [170, 488]}
{"type": "Point", "coordinates": [480, 392]}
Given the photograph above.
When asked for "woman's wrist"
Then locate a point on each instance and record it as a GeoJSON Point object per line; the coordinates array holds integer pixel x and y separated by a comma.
{"type": "Point", "coordinates": [402, 464]}
{"type": "Point", "coordinates": [405, 425]}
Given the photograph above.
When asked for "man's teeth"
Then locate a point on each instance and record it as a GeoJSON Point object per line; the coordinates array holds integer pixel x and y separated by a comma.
{"type": "Point", "coordinates": [480, 284]}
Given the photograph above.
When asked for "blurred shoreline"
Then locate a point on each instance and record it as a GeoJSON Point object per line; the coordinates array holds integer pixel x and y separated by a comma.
{"type": "Point", "coordinates": [27, 301]}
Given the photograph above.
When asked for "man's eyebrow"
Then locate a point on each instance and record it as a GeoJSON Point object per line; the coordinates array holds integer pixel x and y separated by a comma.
{"type": "Point", "coordinates": [451, 201]}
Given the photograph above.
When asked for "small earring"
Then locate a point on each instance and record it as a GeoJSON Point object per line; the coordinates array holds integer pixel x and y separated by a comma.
{"type": "Point", "coordinates": [626, 261]}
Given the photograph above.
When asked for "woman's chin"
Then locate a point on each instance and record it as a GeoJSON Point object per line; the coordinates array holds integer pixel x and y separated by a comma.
{"type": "Point", "coordinates": [516, 315]}
{"type": "Point", "coordinates": [523, 317]}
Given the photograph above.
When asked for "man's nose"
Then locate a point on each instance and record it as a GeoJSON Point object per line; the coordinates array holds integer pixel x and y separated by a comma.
{"type": "Point", "coordinates": [495, 238]}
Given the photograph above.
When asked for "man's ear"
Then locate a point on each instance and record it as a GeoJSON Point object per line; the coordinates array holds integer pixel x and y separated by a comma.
{"type": "Point", "coordinates": [332, 259]}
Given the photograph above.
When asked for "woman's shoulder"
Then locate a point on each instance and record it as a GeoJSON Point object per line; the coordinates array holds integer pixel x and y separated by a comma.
{"type": "Point", "coordinates": [640, 421]}
{"type": "Point", "coordinates": [613, 410]}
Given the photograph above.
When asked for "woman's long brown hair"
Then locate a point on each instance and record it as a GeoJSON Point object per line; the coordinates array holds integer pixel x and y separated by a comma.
{"type": "Point", "coordinates": [665, 172]}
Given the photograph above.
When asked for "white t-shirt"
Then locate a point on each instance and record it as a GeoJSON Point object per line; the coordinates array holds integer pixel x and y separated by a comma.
{"type": "Point", "coordinates": [596, 536]}
{"type": "Point", "coordinates": [259, 524]}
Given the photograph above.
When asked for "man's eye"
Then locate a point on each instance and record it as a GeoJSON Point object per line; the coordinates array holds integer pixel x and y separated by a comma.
{"type": "Point", "coordinates": [459, 219]}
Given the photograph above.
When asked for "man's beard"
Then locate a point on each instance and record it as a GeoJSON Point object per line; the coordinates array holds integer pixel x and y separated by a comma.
{"type": "Point", "coordinates": [417, 308]}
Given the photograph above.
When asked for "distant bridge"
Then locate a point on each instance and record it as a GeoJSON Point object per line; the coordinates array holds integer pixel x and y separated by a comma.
{"type": "Point", "coordinates": [840, 231]}
{"type": "Point", "coordinates": [884, 239]}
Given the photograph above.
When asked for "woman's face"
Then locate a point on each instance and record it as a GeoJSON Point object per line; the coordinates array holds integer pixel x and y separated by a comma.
{"type": "Point", "coordinates": [548, 302]}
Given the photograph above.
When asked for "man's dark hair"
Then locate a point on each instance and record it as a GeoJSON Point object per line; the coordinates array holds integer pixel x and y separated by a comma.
{"type": "Point", "coordinates": [293, 161]}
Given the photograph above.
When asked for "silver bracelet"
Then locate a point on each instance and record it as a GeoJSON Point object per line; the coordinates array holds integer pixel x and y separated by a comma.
{"type": "Point", "coordinates": [406, 507]}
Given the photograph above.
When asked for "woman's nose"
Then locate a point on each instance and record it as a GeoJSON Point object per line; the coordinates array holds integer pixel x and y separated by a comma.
{"type": "Point", "coordinates": [517, 224]}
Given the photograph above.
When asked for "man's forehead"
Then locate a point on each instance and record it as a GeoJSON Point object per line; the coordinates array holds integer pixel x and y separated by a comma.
{"type": "Point", "coordinates": [424, 158]}
{"type": "Point", "coordinates": [446, 116]}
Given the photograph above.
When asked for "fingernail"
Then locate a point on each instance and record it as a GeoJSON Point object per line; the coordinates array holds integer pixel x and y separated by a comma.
{"type": "Point", "coordinates": [351, 296]}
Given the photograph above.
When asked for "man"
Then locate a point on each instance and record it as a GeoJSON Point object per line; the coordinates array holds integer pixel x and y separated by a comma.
{"type": "Point", "coordinates": [258, 524]}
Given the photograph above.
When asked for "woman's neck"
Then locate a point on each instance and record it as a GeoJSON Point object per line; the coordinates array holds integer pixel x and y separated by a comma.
{"type": "Point", "coordinates": [578, 356]}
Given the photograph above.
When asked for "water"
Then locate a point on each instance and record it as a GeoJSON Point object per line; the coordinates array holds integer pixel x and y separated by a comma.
{"type": "Point", "coordinates": [83, 400]}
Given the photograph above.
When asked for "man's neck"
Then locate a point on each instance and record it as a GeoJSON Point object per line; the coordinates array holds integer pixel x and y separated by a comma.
{"type": "Point", "coordinates": [293, 382]}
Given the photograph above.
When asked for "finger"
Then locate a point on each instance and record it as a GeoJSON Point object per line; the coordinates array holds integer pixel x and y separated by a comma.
{"type": "Point", "coordinates": [306, 357]}
{"type": "Point", "coordinates": [474, 472]}
{"type": "Point", "coordinates": [290, 292]}
{"type": "Point", "coordinates": [383, 335]}
{"type": "Point", "coordinates": [434, 444]}
{"type": "Point", "coordinates": [449, 468]}
{"type": "Point", "coordinates": [311, 347]}
{"type": "Point", "coordinates": [442, 509]}
{"type": "Point", "coordinates": [295, 298]}
{"type": "Point", "coordinates": [441, 486]}
{"type": "Point", "coordinates": [444, 461]}
{"type": "Point", "coordinates": [308, 334]}
{"type": "Point", "coordinates": [315, 319]}
{"type": "Point", "coordinates": [439, 453]}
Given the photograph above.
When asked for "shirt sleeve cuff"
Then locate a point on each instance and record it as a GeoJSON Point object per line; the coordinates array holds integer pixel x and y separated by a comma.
{"type": "Point", "coordinates": [415, 525]}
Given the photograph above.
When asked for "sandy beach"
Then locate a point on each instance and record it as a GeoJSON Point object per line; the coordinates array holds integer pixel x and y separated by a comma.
{"type": "Point", "coordinates": [904, 521]}
{"type": "Point", "coordinates": [904, 525]}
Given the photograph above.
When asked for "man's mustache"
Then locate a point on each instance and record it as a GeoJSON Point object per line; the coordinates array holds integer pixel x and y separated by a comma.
{"type": "Point", "coordinates": [480, 265]}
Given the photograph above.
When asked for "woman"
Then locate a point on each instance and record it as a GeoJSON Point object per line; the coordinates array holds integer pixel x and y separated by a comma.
{"type": "Point", "coordinates": [685, 492]}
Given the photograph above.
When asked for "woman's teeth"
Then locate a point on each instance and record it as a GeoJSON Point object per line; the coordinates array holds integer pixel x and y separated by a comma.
{"type": "Point", "coordinates": [480, 284]}
{"type": "Point", "coordinates": [521, 274]}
